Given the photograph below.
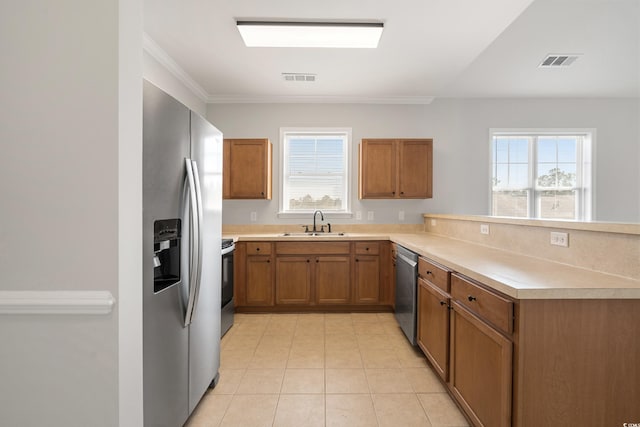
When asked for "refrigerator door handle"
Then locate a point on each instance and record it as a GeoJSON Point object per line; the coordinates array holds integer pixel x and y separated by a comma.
{"type": "Point", "coordinates": [194, 241]}
{"type": "Point", "coordinates": [196, 180]}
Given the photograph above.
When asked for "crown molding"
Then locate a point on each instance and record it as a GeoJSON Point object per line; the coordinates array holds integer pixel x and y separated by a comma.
{"type": "Point", "coordinates": [151, 47]}
{"type": "Point", "coordinates": [319, 99]}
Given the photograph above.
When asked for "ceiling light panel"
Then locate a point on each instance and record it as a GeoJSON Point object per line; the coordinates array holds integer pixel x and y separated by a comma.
{"type": "Point", "coordinates": [311, 34]}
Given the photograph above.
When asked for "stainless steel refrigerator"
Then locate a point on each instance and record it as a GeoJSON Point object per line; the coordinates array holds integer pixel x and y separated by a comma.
{"type": "Point", "coordinates": [182, 223]}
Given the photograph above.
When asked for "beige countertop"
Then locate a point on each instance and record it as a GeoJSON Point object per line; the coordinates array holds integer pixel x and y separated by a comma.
{"type": "Point", "coordinates": [519, 276]}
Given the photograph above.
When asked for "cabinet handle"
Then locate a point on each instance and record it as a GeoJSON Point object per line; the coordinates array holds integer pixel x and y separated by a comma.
{"type": "Point", "coordinates": [471, 298]}
{"type": "Point", "coordinates": [443, 303]}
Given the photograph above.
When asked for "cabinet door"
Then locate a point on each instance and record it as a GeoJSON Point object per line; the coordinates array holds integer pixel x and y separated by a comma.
{"type": "Point", "coordinates": [377, 169]}
{"type": "Point", "coordinates": [332, 279]}
{"type": "Point", "coordinates": [415, 169]}
{"type": "Point", "coordinates": [433, 326]}
{"type": "Point", "coordinates": [293, 280]}
{"type": "Point", "coordinates": [367, 279]}
{"type": "Point", "coordinates": [247, 169]}
{"type": "Point", "coordinates": [259, 282]}
{"type": "Point", "coordinates": [481, 366]}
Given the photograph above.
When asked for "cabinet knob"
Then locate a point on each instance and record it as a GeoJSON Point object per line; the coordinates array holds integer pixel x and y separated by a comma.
{"type": "Point", "coordinates": [471, 298]}
{"type": "Point", "coordinates": [308, 261]}
{"type": "Point", "coordinates": [317, 260]}
{"type": "Point", "coordinates": [357, 260]}
{"type": "Point", "coordinates": [443, 303]}
{"type": "Point", "coordinates": [262, 193]}
{"type": "Point", "coordinates": [268, 261]}
{"type": "Point", "coordinates": [402, 192]}
{"type": "Point", "coordinates": [257, 249]}
{"type": "Point", "coordinates": [393, 192]}
{"type": "Point", "coordinates": [429, 273]}
{"type": "Point", "coordinates": [366, 249]}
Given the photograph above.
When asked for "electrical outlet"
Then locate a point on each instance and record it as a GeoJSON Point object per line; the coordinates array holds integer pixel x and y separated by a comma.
{"type": "Point", "coordinates": [484, 228]}
{"type": "Point", "coordinates": [369, 215]}
{"type": "Point", "coordinates": [559, 239]}
{"type": "Point", "coordinates": [433, 222]}
{"type": "Point", "coordinates": [401, 215]}
{"type": "Point", "coordinates": [254, 216]}
{"type": "Point", "coordinates": [359, 215]}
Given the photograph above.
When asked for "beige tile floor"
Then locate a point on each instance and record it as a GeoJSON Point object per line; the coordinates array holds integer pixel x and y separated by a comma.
{"type": "Point", "coordinates": [298, 370]}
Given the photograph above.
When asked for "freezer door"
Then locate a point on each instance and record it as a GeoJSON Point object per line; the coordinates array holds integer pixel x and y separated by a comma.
{"type": "Point", "coordinates": [165, 339]}
{"type": "Point", "coordinates": [204, 331]}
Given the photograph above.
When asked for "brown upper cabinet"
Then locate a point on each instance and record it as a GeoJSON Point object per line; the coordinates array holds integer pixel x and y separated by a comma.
{"type": "Point", "coordinates": [247, 169]}
{"type": "Point", "coordinates": [395, 169]}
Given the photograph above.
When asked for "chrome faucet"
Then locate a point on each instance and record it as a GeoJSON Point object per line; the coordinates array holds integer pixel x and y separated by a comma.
{"type": "Point", "coordinates": [314, 220]}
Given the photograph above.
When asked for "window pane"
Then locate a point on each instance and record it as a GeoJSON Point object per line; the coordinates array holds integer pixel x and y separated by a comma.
{"type": "Point", "coordinates": [556, 204]}
{"type": "Point", "coordinates": [519, 150]}
{"type": "Point", "coordinates": [510, 203]}
{"type": "Point", "coordinates": [501, 149]}
{"type": "Point", "coordinates": [567, 149]}
{"type": "Point", "coordinates": [315, 172]}
{"type": "Point", "coordinates": [547, 149]}
{"type": "Point", "coordinates": [518, 175]}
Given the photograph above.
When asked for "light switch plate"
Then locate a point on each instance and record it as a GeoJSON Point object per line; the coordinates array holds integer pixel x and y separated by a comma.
{"type": "Point", "coordinates": [359, 215]}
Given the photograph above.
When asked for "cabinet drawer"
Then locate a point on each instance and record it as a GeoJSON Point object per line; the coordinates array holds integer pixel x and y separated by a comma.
{"type": "Point", "coordinates": [490, 306]}
{"type": "Point", "coordinates": [317, 248]}
{"type": "Point", "coordinates": [258, 248]}
{"type": "Point", "coordinates": [434, 273]}
{"type": "Point", "coordinates": [367, 248]}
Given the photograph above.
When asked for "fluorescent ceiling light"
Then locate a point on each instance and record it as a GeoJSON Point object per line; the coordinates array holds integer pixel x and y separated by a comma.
{"type": "Point", "coordinates": [310, 34]}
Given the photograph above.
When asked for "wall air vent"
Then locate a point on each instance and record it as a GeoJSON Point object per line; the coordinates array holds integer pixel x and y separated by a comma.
{"type": "Point", "coordinates": [299, 77]}
{"type": "Point", "coordinates": [558, 60]}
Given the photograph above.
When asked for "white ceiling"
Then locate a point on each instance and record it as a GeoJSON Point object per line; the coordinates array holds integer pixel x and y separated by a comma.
{"type": "Point", "coordinates": [429, 48]}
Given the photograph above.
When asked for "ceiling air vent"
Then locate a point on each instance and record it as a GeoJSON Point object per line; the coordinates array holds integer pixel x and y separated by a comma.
{"type": "Point", "coordinates": [558, 60]}
{"type": "Point", "coordinates": [299, 77]}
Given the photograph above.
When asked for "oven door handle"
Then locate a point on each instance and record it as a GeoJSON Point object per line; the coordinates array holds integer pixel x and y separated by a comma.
{"type": "Point", "coordinates": [230, 249]}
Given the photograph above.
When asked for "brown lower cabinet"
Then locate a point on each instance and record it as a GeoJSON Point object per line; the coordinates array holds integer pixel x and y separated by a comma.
{"type": "Point", "coordinates": [302, 276]}
{"type": "Point", "coordinates": [480, 369]}
{"type": "Point", "coordinates": [530, 363]}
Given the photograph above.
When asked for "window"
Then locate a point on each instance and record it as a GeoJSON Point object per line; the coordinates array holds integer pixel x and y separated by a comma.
{"type": "Point", "coordinates": [541, 174]}
{"type": "Point", "coordinates": [315, 172]}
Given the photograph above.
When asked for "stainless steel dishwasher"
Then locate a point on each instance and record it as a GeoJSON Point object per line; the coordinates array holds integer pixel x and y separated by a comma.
{"type": "Point", "coordinates": [406, 292]}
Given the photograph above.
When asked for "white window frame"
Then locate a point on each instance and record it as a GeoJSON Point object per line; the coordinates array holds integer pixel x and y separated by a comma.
{"type": "Point", "coordinates": [585, 169]}
{"type": "Point", "coordinates": [284, 131]}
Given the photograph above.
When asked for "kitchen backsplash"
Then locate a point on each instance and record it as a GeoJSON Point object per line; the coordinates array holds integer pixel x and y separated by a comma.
{"type": "Point", "coordinates": [607, 247]}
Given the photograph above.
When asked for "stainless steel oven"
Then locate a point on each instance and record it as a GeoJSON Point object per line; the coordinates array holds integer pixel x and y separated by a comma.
{"type": "Point", "coordinates": [226, 313]}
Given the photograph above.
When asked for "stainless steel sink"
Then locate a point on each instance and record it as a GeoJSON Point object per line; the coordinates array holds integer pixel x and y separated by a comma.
{"type": "Point", "coordinates": [312, 234]}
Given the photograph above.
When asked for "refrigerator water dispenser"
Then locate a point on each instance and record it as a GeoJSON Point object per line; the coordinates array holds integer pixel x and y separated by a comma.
{"type": "Point", "coordinates": [166, 256]}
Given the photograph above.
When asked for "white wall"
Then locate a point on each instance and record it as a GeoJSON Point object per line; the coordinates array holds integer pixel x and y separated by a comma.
{"type": "Point", "coordinates": [59, 228]}
{"type": "Point", "coordinates": [460, 129]}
